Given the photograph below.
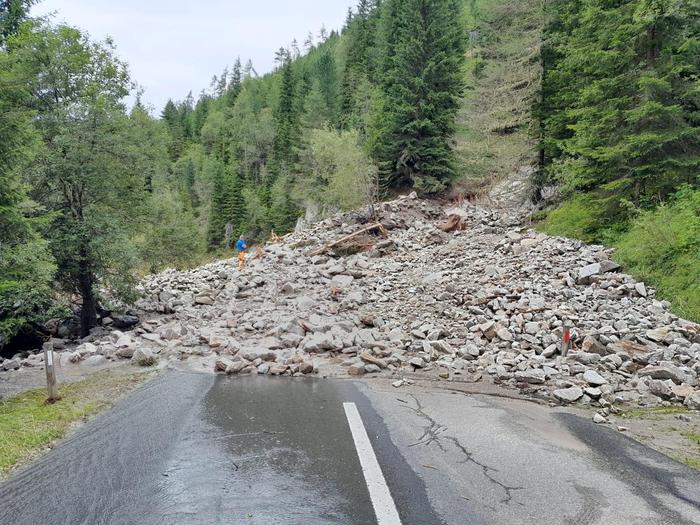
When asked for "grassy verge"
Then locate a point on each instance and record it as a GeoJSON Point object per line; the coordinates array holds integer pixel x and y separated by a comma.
{"type": "Point", "coordinates": [28, 426]}
{"type": "Point", "coordinates": [660, 246]}
{"type": "Point", "coordinates": [658, 428]}
{"type": "Point", "coordinates": [652, 413]}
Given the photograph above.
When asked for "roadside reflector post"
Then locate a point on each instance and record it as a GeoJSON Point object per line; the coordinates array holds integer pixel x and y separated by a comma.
{"type": "Point", "coordinates": [566, 340]}
{"type": "Point", "coordinates": [50, 366]}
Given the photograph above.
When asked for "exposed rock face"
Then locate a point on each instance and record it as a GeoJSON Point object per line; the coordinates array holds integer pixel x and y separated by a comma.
{"type": "Point", "coordinates": [487, 303]}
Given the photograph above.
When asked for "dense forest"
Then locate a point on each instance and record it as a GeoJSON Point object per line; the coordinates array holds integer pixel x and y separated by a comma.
{"type": "Point", "coordinates": [600, 98]}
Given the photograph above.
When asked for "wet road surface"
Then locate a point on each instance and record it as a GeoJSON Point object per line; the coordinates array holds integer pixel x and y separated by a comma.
{"type": "Point", "coordinates": [194, 448]}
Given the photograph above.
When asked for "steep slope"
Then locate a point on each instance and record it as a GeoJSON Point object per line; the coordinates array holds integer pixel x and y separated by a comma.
{"type": "Point", "coordinates": [497, 133]}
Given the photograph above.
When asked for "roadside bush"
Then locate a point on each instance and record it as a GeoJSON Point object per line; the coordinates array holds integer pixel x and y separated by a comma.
{"type": "Point", "coordinates": [662, 247]}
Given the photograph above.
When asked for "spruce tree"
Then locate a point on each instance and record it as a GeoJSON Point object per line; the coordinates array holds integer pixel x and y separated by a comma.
{"type": "Point", "coordinates": [234, 204]}
{"type": "Point", "coordinates": [234, 83]}
{"type": "Point", "coordinates": [423, 54]}
{"type": "Point", "coordinates": [217, 213]}
{"type": "Point", "coordinates": [286, 122]}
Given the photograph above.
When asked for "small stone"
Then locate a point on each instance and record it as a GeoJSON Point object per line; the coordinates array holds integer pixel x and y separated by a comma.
{"type": "Point", "coordinates": [598, 419]}
{"type": "Point", "coordinates": [397, 384]}
{"type": "Point", "coordinates": [641, 289]}
{"type": "Point", "coordinates": [417, 362]}
{"type": "Point", "coordinates": [143, 357]}
{"type": "Point", "coordinates": [592, 346]}
{"type": "Point", "coordinates": [95, 360]}
{"type": "Point", "coordinates": [356, 369]}
{"type": "Point", "coordinates": [693, 401]}
{"type": "Point", "coordinates": [278, 370]}
{"type": "Point", "coordinates": [204, 299]}
{"type": "Point", "coordinates": [306, 368]}
{"type": "Point", "coordinates": [222, 364]}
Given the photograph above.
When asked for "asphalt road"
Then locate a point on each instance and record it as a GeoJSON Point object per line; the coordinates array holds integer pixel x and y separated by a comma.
{"type": "Point", "coordinates": [194, 448]}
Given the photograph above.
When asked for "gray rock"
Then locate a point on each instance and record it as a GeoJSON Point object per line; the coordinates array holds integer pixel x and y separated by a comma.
{"type": "Point", "coordinates": [95, 360]}
{"type": "Point", "coordinates": [661, 389]}
{"type": "Point", "coordinates": [534, 376]}
{"type": "Point", "coordinates": [568, 395]}
{"type": "Point", "coordinates": [592, 346]}
{"type": "Point", "coordinates": [693, 401]}
{"type": "Point", "coordinates": [664, 371]}
{"type": "Point", "coordinates": [143, 357]}
{"type": "Point", "coordinates": [342, 281]}
{"type": "Point", "coordinates": [222, 364]}
{"type": "Point", "coordinates": [357, 369]}
{"type": "Point", "coordinates": [598, 418]}
{"type": "Point", "coordinates": [594, 378]}
{"type": "Point", "coordinates": [416, 362]}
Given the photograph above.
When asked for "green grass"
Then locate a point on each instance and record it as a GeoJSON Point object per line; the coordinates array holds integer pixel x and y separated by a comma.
{"type": "Point", "coordinates": [692, 462]}
{"type": "Point", "coordinates": [660, 246]}
{"type": "Point", "coordinates": [653, 412]}
{"type": "Point", "coordinates": [692, 436]}
{"type": "Point", "coordinates": [28, 425]}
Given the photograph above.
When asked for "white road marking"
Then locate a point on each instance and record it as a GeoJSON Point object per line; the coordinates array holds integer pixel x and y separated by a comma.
{"type": "Point", "coordinates": [383, 503]}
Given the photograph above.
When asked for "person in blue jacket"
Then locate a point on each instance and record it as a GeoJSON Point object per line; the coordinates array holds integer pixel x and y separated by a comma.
{"type": "Point", "coordinates": [241, 248]}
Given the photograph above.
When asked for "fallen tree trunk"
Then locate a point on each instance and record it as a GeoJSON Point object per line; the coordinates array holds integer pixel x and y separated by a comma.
{"type": "Point", "coordinates": [377, 226]}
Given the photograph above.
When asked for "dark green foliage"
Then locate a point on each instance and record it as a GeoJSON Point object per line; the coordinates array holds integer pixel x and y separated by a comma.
{"type": "Point", "coordinates": [421, 78]}
{"type": "Point", "coordinates": [620, 111]}
{"type": "Point", "coordinates": [622, 102]}
{"type": "Point", "coordinates": [26, 267]}
{"type": "Point", "coordinates": [286, 122]}
{"type": "Point", "coordinates": [12, 14]}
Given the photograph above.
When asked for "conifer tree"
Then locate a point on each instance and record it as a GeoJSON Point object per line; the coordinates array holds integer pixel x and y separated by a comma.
{"type": "Point", "coordinates": [217, 213]}
{"type": "Point", "coordinates": [423, 53]}
{"type": "Point", "coordinates": [286, 122]}
{"type": "Point", "coordinates": [234, 83]}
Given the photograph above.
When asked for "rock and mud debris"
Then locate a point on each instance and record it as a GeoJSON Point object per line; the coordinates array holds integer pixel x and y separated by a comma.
{"type": "Point", "coordinates": [487, 301]}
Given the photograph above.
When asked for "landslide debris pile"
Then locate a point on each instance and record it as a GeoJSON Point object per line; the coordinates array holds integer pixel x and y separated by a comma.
{"type": "Point", "coordinates": [487, 303]}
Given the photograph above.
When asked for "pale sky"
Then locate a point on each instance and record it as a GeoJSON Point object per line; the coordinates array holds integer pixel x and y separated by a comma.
{"type": "Point", "coordinates": [176, 46]}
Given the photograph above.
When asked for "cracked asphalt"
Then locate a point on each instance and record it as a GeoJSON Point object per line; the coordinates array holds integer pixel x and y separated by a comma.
{"type": "Point", "coordinates": [194, 448]}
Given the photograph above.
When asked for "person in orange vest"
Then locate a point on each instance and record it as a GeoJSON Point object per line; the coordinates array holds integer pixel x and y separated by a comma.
{"type": "Point", "coordinates": [241, 248]}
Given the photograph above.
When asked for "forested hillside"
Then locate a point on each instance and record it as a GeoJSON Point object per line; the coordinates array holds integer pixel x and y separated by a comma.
{"type": "Point", "coordinates": [600, 100]}
{"type": "Point", "coordinates": [620, 115]}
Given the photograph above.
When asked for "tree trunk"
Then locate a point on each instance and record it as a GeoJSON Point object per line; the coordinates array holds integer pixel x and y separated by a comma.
{"type": "Point", "coordinates": [88, 313]}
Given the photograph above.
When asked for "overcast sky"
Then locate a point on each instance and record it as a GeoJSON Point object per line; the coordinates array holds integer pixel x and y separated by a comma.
{"type": "Point", "coordinates": [174, 46]}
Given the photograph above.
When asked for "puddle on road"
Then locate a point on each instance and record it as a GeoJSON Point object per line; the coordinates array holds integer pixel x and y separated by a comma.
{"type": "Point", "coordinates": [265, 451]}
